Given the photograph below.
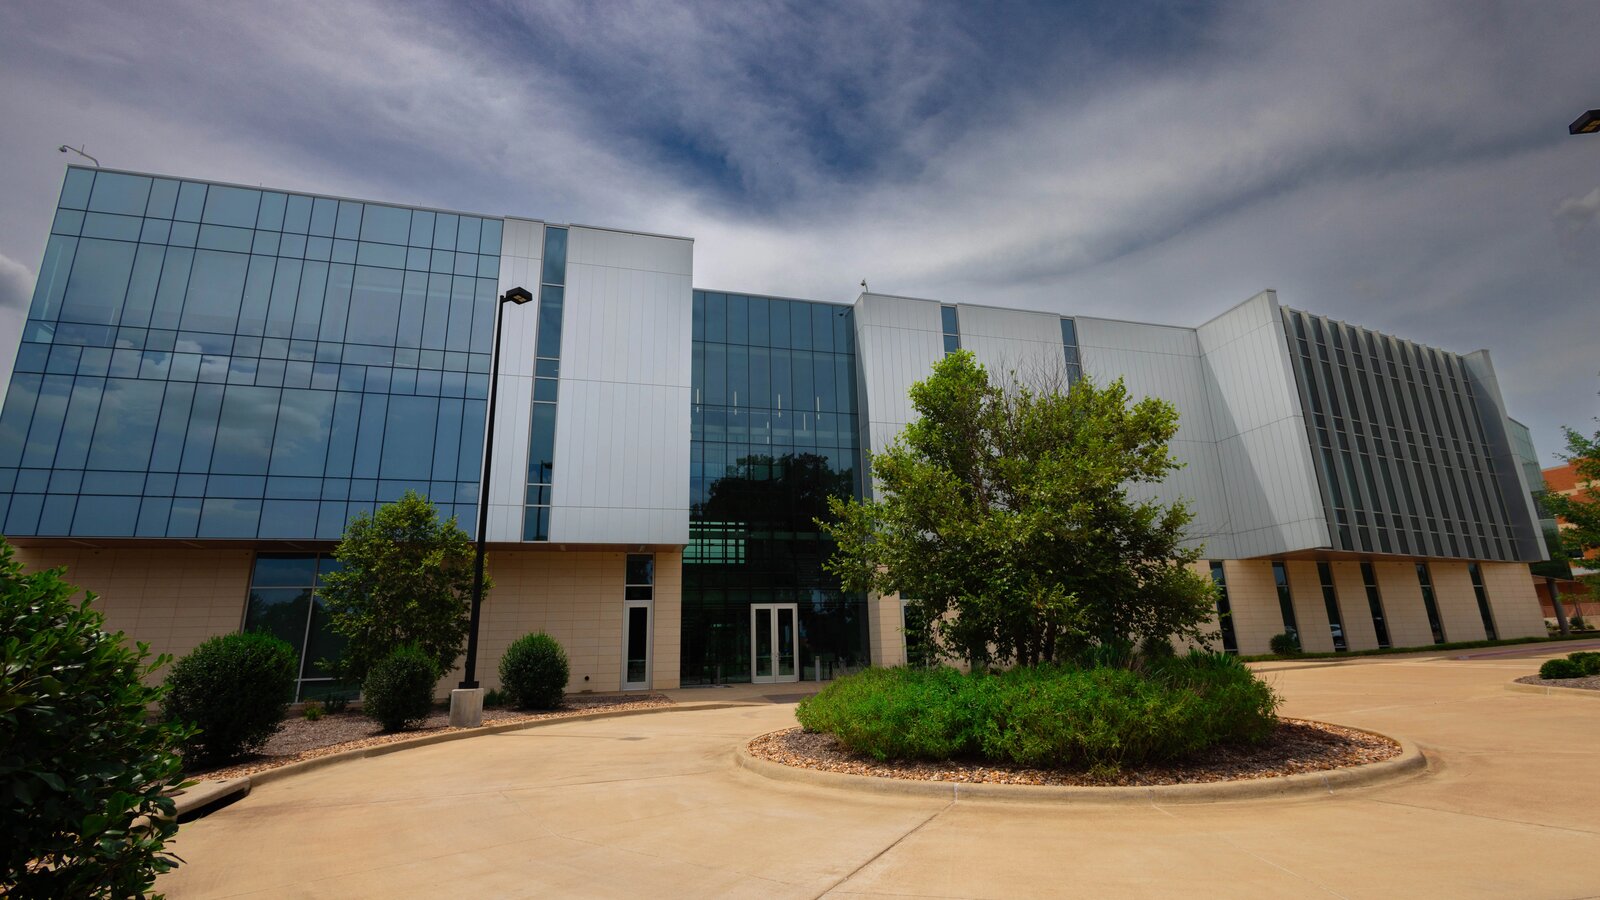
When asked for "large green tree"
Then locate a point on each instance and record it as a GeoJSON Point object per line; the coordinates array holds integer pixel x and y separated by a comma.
{"type": "Point", "coordinates": [1580, 532]}
{"type": "Point", "coordinates": [406, 579]}
{"type": "Point", "coordinates": [1005, 515]}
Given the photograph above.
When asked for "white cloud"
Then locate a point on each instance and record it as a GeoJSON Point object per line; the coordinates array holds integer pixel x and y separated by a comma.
{"type": "Point", "coordinates": [1395, 165]}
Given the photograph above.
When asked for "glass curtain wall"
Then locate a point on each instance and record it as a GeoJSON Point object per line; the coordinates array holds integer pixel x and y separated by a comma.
{"type": "Point", "coordinates": [1230, 643]}
{"type": "Point", "coordinates": [1425, 581]}
{"type": "Point", "coordinates": [284, 602]}
{"type": "Point", "coordinates": [774, 436]}
{"type": "Point", "coordinates": [1280, 578]}
{"type": "Point", "coordinates": [209, 361]}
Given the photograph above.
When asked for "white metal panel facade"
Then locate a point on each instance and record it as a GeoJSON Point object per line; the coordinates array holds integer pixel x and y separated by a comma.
{"type": "Point", "coordinates": [622, 416]}
{"type": "Point", "coordinates": [1163, 361]}
{"type": "Point", "coordinates": [1273, 501]}
{"type": "Point", "coordinates": [898, 339]}
{"type": "Point", "coordinates": [521, 256]}
{"type": "Point", "coordinates": [1008, 341]}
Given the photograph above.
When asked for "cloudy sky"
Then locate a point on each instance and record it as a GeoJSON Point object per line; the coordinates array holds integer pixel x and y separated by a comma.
{"type": "Point", "coordinates": [1400, 165]}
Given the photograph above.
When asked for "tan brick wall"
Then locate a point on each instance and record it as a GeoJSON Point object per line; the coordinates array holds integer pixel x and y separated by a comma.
{"type": "Point", "coordinates": [576, 597]}
{"type": "Point", "coordinates": [1253, 599]}
{"type": "Point", "coordinates": [1402, 601]}
{"type": "Point", "coordinates": [1305, 589]}
{"type": "Point", "coordinates": [1512, 600]}
{"type": "Point", "coordinates": [1357, 615]}
{"type": "Point", "coordinates": [1458, 604]}
{"type": "Point", "coordinates": [170, 599]}
{"type": "Point", "coordinates": [886, 630]}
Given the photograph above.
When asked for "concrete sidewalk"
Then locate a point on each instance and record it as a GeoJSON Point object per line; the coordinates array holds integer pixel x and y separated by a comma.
{"type": "Point", "coordinates": [652, 805]}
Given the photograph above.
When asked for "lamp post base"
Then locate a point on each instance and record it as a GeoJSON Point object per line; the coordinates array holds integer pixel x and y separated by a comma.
{"type": "Point", "coordinates": [466, 707]}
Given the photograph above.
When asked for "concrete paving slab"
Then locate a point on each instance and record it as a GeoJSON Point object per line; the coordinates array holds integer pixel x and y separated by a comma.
{"type": "Point", "coordinates": [655, 805]}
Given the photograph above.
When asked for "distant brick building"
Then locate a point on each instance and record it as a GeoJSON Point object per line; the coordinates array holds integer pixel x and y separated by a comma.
{"type": "Point", "coordinates": [1576, 597]}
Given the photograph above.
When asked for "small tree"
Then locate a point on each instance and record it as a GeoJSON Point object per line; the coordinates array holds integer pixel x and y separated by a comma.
{"type": "Point", "coordinates": [235, 688]}
{"type": "Point", "coordinates": [1579, 511]}
{"type": "Point", "coordinates": [1003, 514]}
{"type": "Point", "coordinates": [406, 580]}
{"type": "Point", "coordinates": [80, 759]}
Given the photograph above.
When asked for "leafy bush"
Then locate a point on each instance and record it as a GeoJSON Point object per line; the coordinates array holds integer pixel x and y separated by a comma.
{"type": "Point", "coordinates": [80, 759]}
{"type": "Point", "coordinates": [493, 699]}
{"type": "Point", "coordinates": [398, 692]}
{"type": "Point", "coordinates": [313, 711]}
{"type": "Point", "coordinates": [1047, 715]}
{"type": "Point", "coordinates": [1560, 668]}
{"type": "Point", "coordinates": [1588, 661]}
{"type": "Point", "coordinates": [1285, 644]}
{"type": "Point", "coordinates": [534, 671]}
{"type": "Point", "coordinates": [235, 688]}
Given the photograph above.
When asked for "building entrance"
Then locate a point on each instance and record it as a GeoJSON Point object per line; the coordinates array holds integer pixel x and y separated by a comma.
{"type": "Point", "coordinates": [772, 642]}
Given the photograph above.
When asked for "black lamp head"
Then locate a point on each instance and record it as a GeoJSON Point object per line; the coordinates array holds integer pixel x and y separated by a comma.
{"type": "Point", "coordinates": [517, 295]}
{"type": "Point", "coordinates": [1588, 123]}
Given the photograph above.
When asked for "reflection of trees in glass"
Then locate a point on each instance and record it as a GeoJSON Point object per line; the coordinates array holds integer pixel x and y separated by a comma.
{"type": "Point", "coordinates": [789, 491]}
{"type": "Point", "coordinates": [280, 612]}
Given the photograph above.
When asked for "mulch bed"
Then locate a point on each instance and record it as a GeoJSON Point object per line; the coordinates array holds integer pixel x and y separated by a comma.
{"type": "Point", "coordinates": [1296, 746]}
{"type": "Point", "coordinates": [1591, 683]}
{"type": "Point", "coordinates": [299, 738]}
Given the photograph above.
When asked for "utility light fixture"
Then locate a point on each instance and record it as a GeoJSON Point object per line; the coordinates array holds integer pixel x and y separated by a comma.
{"type": "Point", "coordinates": [1588, 123]}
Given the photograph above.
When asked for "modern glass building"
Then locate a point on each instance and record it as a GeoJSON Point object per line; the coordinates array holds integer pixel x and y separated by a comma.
{"type": "Point", "coordinates": [214, 379]}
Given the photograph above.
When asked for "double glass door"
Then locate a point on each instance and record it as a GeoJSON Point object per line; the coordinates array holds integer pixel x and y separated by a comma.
{"type": "Point", "coordinates": [773, 628]}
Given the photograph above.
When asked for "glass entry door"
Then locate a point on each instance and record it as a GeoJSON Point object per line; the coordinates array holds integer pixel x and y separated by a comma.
{"type": "Point", "coordinates": [772, 642]}
{"type": "Point", "coordinates": [636, 645]}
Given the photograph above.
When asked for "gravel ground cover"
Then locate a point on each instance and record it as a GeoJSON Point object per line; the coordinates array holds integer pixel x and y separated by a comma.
{"type": "Point", "coordinates": [1296, 746]}
{"type": "Point", "coordinates": [1591, 683]}
{"type": "Point", "coordinates": [299, 738]}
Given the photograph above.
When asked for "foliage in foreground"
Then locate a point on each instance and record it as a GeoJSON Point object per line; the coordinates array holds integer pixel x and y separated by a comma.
{"type": "Point", "coordinates": [1104, 716]}
{"type": "Point", "coordinates": [1575, 665]}
{"type": "Point", "coordinates": [1579, 511]}
{"type": "Point", "coordinates": [398, 692]}
{"type": "Point", "coordinates": [80, 760]}
{"type": "Point", "coordinates": [406, 579]}
{"type": "Point", "coordinates": [235, 688]}
{"type": "Point", "coordinates": [1004, 515]}
{"type": "Point", "coordinates": [534, 671]}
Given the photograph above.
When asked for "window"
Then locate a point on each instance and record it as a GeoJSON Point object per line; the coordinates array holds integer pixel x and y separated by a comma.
{"type": "Point", "coordinates": [284, 602]}
{"type": "Point", "coordinates": [1426, 582]}
{"type": "Point", "coordinates": [638, 598]}
{"type": "Point", "coordinates": [1483, 602]}
{"type": "Point", "coordinates": [1375, 603]}
{"type": "Point", "coordinates": [952, 329]}
{"type": "Point", "coordinates": [1330, 599]}
{"type": "Point", "coordinates": [1280, 576]}
{"type": "Point", "coordinates": [547, 366]}
{"type": "Point", "coordinates": [1069, 346]}
{"type": "Point", "coordinates": [1230, 643]}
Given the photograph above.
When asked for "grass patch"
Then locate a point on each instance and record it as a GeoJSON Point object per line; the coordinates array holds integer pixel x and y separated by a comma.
{"type": "Point", "coordinates": [1425, 648]}
{"type": "Point", "coordinates": [1047, 716]}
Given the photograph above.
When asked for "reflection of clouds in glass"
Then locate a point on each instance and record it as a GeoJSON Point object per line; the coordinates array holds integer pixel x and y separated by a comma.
{"type": "Point", "coordinates": [213, 368]}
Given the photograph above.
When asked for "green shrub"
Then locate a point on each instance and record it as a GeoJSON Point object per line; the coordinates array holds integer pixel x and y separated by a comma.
{"type": "Point", "coordinates": [80, 759]}
{"type": "Point", "coordinates": [1561, 668]}
{"type": "Point", "coordinates": [493, 699]}
{"type": "Point", "coordinates": [1285, 644]}
{"type": "Point", "coordinates": [235, 688]}
{"type": "Point", "coordinates": [534, 671]}
{"type": "Point", "coordinates": [1588, 662]}
{"type": "Point", "coordinates": [398, 692]}
{"type": "Point", "coordinates": [313, 711]}
{"type": "Point", "coordinates": [1103, 717]}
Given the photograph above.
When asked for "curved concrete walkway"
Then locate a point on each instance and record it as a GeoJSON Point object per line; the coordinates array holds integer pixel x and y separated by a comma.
{"type": "Point", "coordinates": [653, 806]}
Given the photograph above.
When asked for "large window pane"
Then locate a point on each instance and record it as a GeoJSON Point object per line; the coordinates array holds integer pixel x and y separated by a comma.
{"type": "Point", "coordinates": [375, 301]}
{"type": "Point", "coordinates": [300, 441]}
{"type": "Point", "coordinates": [244, 432]}
{"type": "Point", "coordinates": [388, 224]}
{"type": "Point", "coordinates": [99, 280]}
{"type": "Point", "coordinates": [115, 192]}
{"type": "Point", "coordinates": [231, 206]}
{"type": "Point", "coordinates": [555, 256]}
{"type": "Point", "coordinates": [127, 425]}
{"type": "Point", "coordinates": [216, 286]}
{"type": "Point", "coordinates": [408, 439]}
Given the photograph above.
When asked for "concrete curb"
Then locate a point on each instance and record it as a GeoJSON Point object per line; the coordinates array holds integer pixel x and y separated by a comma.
{"type": "Point", "coordinates": [207, 793]}
{"type": "Point", "coordinates": [1551, 690]}
{"type": "Point", "coordinates": [1410, 761]}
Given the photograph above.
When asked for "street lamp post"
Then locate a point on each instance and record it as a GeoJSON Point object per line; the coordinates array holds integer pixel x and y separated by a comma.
{"type": "Point", "coordinates": [466, 701]}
